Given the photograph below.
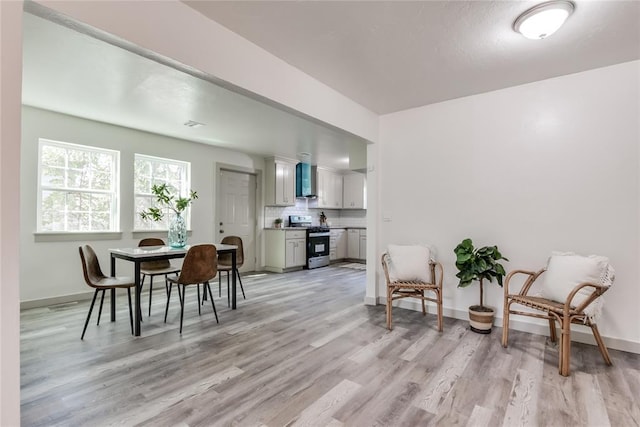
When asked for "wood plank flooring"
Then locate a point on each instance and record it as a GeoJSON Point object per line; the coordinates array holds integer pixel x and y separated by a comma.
{"type": "Point", "coordinates": [303, 350]}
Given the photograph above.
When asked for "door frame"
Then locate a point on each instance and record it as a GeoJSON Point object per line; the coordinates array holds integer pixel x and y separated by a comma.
{"type": "Point", "coordinates": [258, 228]}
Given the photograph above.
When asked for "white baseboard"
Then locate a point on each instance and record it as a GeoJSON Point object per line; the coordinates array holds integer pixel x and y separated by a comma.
{"type": "Point", "coordinates": [44, 302]}
{"type": "Point", "coordinates": [370, 301]}
{"type": "Point", "coordinates": [517, 323]}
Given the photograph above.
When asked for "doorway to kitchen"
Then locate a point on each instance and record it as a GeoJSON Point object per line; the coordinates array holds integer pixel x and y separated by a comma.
{"type": "Point", "coordinates": [236, 211]}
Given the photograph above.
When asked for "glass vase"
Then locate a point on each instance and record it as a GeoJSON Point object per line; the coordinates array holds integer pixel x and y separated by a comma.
{"type": "Point", "coordinates": [177, 232]}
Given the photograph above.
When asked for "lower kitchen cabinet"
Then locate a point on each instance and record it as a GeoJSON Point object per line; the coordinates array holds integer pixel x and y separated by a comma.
{"type": "Point", "coordinates": [285, 250]}
{"type": "Point", "coordinates": [338, 244]}
{"type": "Point", "coordinates": [357, 244]}
{"type": "Point", "coordinates": [295, 253]}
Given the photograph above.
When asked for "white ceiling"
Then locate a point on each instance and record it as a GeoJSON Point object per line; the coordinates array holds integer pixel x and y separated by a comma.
{"type": "Point", "coordinates": [74, 73]}
{"type": "Point", "coordinates": [393, 55]}
{"type": "Point", "coordinates": [385, 55]}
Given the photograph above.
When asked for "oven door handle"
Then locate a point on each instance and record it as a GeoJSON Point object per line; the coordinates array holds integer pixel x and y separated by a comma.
{"type": "Point", "coordinates": [319, 234]}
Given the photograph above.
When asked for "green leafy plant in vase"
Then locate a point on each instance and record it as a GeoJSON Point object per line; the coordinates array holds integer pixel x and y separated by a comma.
{"type": "Point", "coordinates": [177, 236]}
{"type": "Point", "coordinates": [479, 265]}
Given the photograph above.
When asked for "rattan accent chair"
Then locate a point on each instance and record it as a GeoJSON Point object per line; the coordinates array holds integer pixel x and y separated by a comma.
{"type": "Point", "coordinates": [199, 267]}
{"type": "Point", "coordinates": [224, 264]}
{"type": "Point", "coordinates": [94, 278]}
{"type": "Point", "coordinates": [564, 312]}
{"type": "Point", "coordinates": [155, 268]}
{"type": "Point", "coordinates": [414, 289]}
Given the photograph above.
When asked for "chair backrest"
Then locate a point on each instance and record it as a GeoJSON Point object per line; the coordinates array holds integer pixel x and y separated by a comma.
{"type": "Point", "coordinates": [153, 265]}
{"type": "Point", "coordinates": [200, 265]}
{"type": "Point", "coordinates": [90, 266]}
{"type": "Point", "coordinates": [225, 259]}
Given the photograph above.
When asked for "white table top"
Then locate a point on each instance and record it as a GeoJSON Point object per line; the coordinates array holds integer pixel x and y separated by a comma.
{"type": "Point", "coordinates": [145, 251]}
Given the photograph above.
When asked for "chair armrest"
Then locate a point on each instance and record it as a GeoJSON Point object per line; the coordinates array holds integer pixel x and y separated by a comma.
{"type": "Point", "coordinates": [533, 275]}
{"type": "Point", "coordinates": [385, 266]}
{"type": "Point", "coordinates": [597, 291]}
{"type": "Point", "coordinates": [437, 278]}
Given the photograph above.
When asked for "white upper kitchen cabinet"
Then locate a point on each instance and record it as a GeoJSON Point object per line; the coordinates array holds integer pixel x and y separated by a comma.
{"type": "Point", "coordinates": [280, 182]}
{"type": "Point", "coordinates": [354, 191]}
{"type": "Point", "coordinates": [329, 188]}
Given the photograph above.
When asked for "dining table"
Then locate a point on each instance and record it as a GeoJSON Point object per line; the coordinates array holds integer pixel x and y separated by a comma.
{"type": "Point", "coordinates": [142, 254]}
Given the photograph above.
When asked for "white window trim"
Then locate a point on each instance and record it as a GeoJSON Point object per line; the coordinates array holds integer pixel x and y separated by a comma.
{"type": "Point", "coordinates": [115, 202]}
{"type": "Point", "coordinates": [184, 191]}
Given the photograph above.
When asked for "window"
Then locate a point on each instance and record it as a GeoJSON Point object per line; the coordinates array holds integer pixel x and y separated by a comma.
{"type": "Point", "coordinates": [150, 171]}
{"type": "Point", "coordinates": [77, 188]}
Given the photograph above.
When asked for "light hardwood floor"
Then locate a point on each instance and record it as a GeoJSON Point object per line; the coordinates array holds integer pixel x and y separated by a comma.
{"type": "Point", "coordinates": [302, 349]}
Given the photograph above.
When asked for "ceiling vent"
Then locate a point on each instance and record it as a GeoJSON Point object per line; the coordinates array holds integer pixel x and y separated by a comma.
{"type": "Point", "coordinates": [192, 124]}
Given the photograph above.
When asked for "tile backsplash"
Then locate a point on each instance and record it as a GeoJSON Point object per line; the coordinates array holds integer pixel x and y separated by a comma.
{"type": "Point", "coordinates": [335, 217]}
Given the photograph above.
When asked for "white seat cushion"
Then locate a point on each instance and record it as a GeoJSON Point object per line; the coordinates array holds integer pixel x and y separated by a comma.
{"type": "Point", "coordinates": [409, 263]}
{"type": "Point", "coordinates": [567, 270]}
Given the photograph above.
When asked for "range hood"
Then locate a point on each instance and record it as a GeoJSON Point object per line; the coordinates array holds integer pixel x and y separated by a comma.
{"type": "Point", "coordinates": [306, 181]}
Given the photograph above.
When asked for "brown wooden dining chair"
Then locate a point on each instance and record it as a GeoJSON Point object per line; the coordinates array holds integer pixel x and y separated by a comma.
{"type": "Point", "coordinates": [570, 292]}
{"type": "Point", "coordinates": [422, 275]}
{"type": "Point", "coordinates": [155, 268]}
{"type": "Point", "coordinates": [199, 267]}
{"type": "Point", "coordinates": [225, 264]}
{"type": "Point", "coordinates": [94, 278]}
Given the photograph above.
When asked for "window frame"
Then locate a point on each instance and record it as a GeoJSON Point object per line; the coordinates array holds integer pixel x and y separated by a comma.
{"type": "Point", "coordinates": [114, 192]}
{"type": "Point", "coordinates": [183, 191]}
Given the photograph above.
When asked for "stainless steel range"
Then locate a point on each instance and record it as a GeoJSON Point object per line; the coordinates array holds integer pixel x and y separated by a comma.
{"type": "Point", "coordinates": [317, 241]}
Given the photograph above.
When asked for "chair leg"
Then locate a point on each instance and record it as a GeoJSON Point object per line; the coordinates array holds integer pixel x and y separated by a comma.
{"type": "Point", "coordinates": [150, 293]}
{"type": "Point", "coordinates": [100, 310]}
{"type": "Point", "coordinates": [212, 303]}
{"type": "Point", "coordinates": [389, 308]}
{"type": "Point", "coordinates": [601, 346]}
{"type": "Point", "coordinates": [552, 330]}
{"type": "Point", "coordinates": [219, 284]}
{"type": "Point", "coordinates": [565, 353]}
{"type": "Point", "coordinates": [505, 322]}
{"type": "Point", "coordinates": [93, 301]}
{"type": "Point", "coordinates": [184, 289]}
{"type": "Point", "coordinates": [130, 309]}
{"type": "Point", "coordinates": [228, 293]}
{"type": "Point", "coordinates": [424, 308]}
{"type": "Point", "coordinates": [166, 310]}
{"type": "Point", "coordinates": [440, 327]}
{"type": "Point", "coordinates": [241, 287]}
{"type": "Point", "coordinates": [198, 286]}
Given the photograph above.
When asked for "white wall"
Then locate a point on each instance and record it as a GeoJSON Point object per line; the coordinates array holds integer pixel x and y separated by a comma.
{"type": "Point", "coordinates": [52, 268]}
{"type": "Point", "coordinates": [551, 165]}
{"type": "Point", "coordinates": [10, 95]}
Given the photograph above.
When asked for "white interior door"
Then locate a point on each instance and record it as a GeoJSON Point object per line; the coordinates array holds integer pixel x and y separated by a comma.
{"type": "Point", "coordinates": [237, 212]}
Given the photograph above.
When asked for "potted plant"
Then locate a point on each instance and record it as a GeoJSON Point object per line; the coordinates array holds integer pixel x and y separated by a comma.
{"type": "Point", "coordinates": [177, 236]}
{"type": "Point", "coordinates": [479, 264]}
{"type": "Point", "coordinates": [278, 222]}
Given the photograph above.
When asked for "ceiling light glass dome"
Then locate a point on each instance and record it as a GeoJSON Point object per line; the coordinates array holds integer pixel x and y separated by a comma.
{"type": "Point", "coordinates": [544, 19]}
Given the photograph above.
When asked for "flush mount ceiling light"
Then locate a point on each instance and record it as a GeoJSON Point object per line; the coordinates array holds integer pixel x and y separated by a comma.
{"type": "Point", "coordinates": [543, 20]}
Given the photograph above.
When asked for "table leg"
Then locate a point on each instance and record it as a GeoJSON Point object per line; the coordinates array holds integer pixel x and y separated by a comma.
{"type": "Point", "coordinates": [136, 326]}
{"type": "Point", "coordinates": [233, 280]}
{"type": "Point", "coordinates": [113, 291]}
